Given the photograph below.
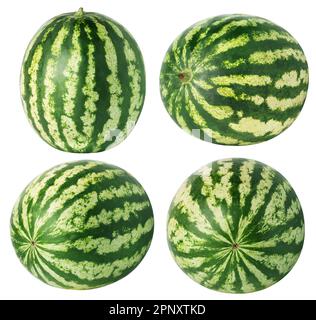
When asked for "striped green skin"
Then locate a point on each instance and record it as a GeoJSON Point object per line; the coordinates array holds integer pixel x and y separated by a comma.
{"type": "Point", "coordinates": [234, 80]}
{"type": "Point", "coordinates": [236, 226]}
{"type": "Point", "coordinates": [82, 225]}
{"type": "Point", "coordinates": [83, 82]}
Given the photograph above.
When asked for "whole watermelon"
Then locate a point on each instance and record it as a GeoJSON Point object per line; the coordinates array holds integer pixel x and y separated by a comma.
{"type": "Point", "coordinates": [234, 80]}
{"type": "Point", "coordinates": [236, 226]}
{"type": "Point", "coordinates": [82, 225]}
{"type": "Point", "coordinates": [83, 82]}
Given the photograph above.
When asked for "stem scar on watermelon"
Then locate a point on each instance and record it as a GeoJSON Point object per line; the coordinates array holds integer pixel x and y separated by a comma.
{"type": "Point", "coordinates": [80, 13]}
{"type": "Point", "coordinates": [185, 76]}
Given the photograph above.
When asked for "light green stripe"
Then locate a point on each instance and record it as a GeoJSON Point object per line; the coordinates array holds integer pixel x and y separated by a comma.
{"type": "Point", "coordinates": [90, 271]}
{"type": "Point", "coordinates": [259, 275]}
{"type": "Point", "coordinates": [184, 202]}
{"type": "Point", "coordinates": [193, 112]}
{"type": "Point", "coordinates": [16, 223]}
{"type": "Point", "coordinates": [220, 190]}
{"type": "Point", "coordinates": [33, 100]}
{"type": "Point", "coordinates": [292, 79]}
{"type": "Point", "coordinates": [48, 103]}
{"type": "Point", "coordinates": [107, 217]}
{"type": "Point", "coordinates": [187, 38]}
{"type": "Point", "coordinates": [59, 181]}
{"type": "Point", "coordinates": [211, 275]}
{"type": "Point", "coordinates": [257, 201]}
{"type": "Point", "coordinates": [246, 285]}
{"type": "Point", "coordinates": [219, 138]}
{"type": "Point", "coordinates": [135, 86]}
{"type": "Point", "coordinates": [186, 241]}
{"type": "Point", "coordinates": [242, 80]}
{"type": "Point", "coordinates": [224, 47]}
{"type": "Point", "coordinates": [203, 84]}
{"type": "Point", "coordinates": [175, 50]}
{"type": "Point", "coordinates": [230, 93]}
{"type": "Point", "coordinates": [259, 128]}
{"type": "Point", "coordinates": [190, 208]}
{"type": "Point", "coordinates": [115, 88]}
{"type": "Point", "coordinates": [222, 32]}
{"type": "Point", "coordinates": [259, 36]}
{"type": "Point", "coordinates": [125, 190]}
{"type": "Point", "coordinates": [74, 138]}
{"type": "Point", "coordinates": [291, 236]}
{"type": "Point", "coordinates": [41, 275]}
{"type": "Point", "coordinates": [271, 56]}
{"type": "Point", "coordinates": [282, 263]}
{"type": "Point", "coordinates": [92, 96]}
{"type": "Point", "coordinates": [279, 262]}
{"type": "Point", "coordinates": [81, 185]}
{"type": "Point", "coordinates": [48, 257]}
{"type": "Point", "coordinates": [216, 35]}
{"type": "Point", "coordinates": [73, 218]}
{"type": "Point", "coordinates": [246, 171]}
{"type": "Point", "coordinates": [104, 246]}
{"type": "Point", "coordinates": [33, 190]}
{"type": "Point", "coordinates": [276, 204]}
{"type": "Point", "coordinates": [37, 35]}
{"type": "Point", "coordinates": [217, 112]}
{"type": "Point", "coordinates": [284, 104]}
{"type": "Point", "coordinates": [231, 64]}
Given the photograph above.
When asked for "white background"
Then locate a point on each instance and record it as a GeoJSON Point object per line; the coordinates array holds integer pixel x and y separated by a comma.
{"type": "Point", "coordinates": [157, 152]}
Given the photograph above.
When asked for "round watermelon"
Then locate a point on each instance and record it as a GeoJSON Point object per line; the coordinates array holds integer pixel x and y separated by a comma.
{"type": "Point", "coordinates": [83, 82]}
{"type": "Point", "coordinates": [82, 225]}
{"type": "Point", "coordinates": [234, 80]}
{"type": "Point", "coordinates": [236, 226]}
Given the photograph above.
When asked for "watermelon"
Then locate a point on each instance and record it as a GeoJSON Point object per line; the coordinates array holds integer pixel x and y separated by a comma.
{"type": "Point", "coordinates": [234, 80]}
{"type": "Point", "coordinates": [83, 82]}
{"type": "Point", "coordinates": [82, 225]}
{"type": "Point", "coordinates": [236, 226]}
